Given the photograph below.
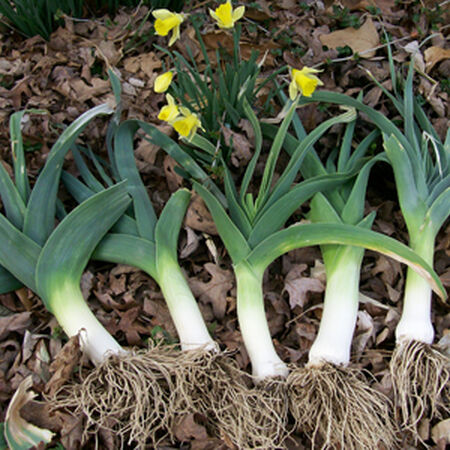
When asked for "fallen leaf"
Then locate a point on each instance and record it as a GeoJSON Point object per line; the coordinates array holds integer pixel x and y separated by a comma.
{"type": "Point", "coordinates": [174, 180]}
{"type": "Point", "coordinates": [14, 322]}
{"type": "Point", "coordinates": [360, 40]}
{"type": "Point", "coordinates": [298, 286]}
{"type": "Point", "coordinates": [18, 432]}
{"type": "Point", "coordinates": [198, 217]}
{"type": "Point", "coordinates": [433, 55]}
{"type": "Point", "coordinates": [191, 244]}
{"type": "Point", "coordinates": [64, 364]}
{"type": "Point", "coordinates": [364, 331]}
{"type": "Point", "coordinates": [215, 290]}
{"type": "Point", "coordinates": [241, 147]}
{"type": "Point", "coordinates": [186, 429]}
{"type": "Point", "coordinates": [441, 432]}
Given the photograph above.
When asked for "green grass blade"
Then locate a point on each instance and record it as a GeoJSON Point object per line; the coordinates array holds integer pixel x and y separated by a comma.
{"type": "Point", "coordinates": [298, 236]}
{"type": "Point", "coordinates": [300, 153]}
{"type": "Point", "coordinates": [126, 249]}
{"type": "Point", "coordinates": [346, 147]}
{"type": "Point", "coordinates": [251, 116]}
{"type": "Point", "coordinates": [353, 211]}
{"type": "Point", "coordinates": [412, 205]}
{"type": "Point", "coordinates": [40, 213]}
{"type": "Point", "coordinates": [273, 156]}
{"type": "Point", "coordinates": [80, 192]}
{"type": "Point", "coordinates": [68, 249]}
{"type": "Point", "coordinates": [240, 215]}
{"type": "Point", "coordinates": [232, 238]}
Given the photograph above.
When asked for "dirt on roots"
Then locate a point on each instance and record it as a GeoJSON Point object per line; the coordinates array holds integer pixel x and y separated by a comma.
{"type": "Point", "coordinates": [336, 408]}
{"type": "Point", "coordinates": [421, 379]}
{"type": "Point", "coordinates": [248, 417]}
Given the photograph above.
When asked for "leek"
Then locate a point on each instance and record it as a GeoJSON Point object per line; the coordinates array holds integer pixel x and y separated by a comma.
{"type": "Point", "coordinates": [50, 262]}
{"type": "Point", "coordinates": [323, 395]}
{"type": "Point", "coordinates": [420, 162]}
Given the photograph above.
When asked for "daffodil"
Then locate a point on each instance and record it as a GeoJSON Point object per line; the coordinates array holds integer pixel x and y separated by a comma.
{"type": "Point", "coordinates": [167, 21]}
{"type": "Point", "coordinates": [225, 16]}
{"type": "Point", "coordinates": [170, 111]}
{"type": "Point", "coordinates": [187, 125]}
{"type": "Point", "coordinates": [303, 81]}
{"type": "Point", "coordinates": [162, 82]}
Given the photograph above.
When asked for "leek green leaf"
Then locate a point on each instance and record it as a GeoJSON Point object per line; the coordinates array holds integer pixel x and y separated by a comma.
{"type": "Point", "coordinates": [304, 235]}
{"type": "Point", "coordinates": [68, 249]}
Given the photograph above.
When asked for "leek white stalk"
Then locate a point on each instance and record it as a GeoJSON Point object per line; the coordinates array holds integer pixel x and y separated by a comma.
{"type": "Point", "coordinates": [340, 309]}
{"type": "Point", "coordinates": [184, 310]}
{"type": "Point", "coordinates": [415, 323]}
{"type": "Point", "coordinates": [255, 332]}
{"type": "Point", "coordinates": [75, 317]}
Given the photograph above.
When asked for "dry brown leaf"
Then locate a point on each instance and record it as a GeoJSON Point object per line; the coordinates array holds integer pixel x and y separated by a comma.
{"type": "Point", "coordinates": [360, 40]}
{"type": "Point", "coordinates": [298, 286]}
{"type": "Point", "coordinates": [186, 429]}
{"type": "Point", "coordinates": [15, 322]}
{"type": "Point", "coordinates": [441, 433]}
{"type": "Point", "coordinates": [198, 217]}
{"type": "Point", "coordinates": [241, 147]}
{"type": "Point", "coordinates": [174, 181]}
{"type": "Point", "coordinates": [64, 364]}
{"type": "Point", "coordinates": [215, 290]}
{"type": "Point", "coordinates": [433, 55]}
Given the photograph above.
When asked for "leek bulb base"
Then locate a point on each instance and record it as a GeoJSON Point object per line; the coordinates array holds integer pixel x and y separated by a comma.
{"type": "Point", "coordinates": [415, 323]}
{"type": "Point", "coordinates": [340, 311]}
{"type": "Point", "coordinates": [266, 364]}
{"type": "Point", "coordinates": [183, 307]}
{"type": "Point", "coordinates": [75, 317]}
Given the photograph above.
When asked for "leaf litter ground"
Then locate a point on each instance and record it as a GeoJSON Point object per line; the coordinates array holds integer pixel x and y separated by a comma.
{"type": "Point", "coordinates": [65, 76]}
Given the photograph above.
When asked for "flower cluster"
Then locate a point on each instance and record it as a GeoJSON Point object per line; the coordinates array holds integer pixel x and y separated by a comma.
{"type": "Point", "coordinates": [184, 121]}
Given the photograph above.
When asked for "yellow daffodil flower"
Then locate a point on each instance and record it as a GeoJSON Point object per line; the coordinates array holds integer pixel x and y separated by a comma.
{"type": "Point", "coordinates": [167, 21]}
{"type": "Point", "coordinates": [303, 81]}
{"type": "Point", "coordinates": [187, 125]}
{"type": "Point", "coordinates": [162, 82]}
{"type": "Point", "coordinates": [170, 111]}
{"type": "Point", "coordinates": [225, 16]}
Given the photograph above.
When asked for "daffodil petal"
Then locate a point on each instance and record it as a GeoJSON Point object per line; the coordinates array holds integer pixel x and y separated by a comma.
{"type": "Point", "coordinates": [238, 13]}
{"type": "Point", "coordinates": [162, 14]}
{"type": "Point", "coordinates": [293, 91]}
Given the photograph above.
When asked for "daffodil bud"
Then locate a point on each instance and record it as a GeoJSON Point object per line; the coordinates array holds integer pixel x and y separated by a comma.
{"type": "Point", "coordinates": [162, 82]}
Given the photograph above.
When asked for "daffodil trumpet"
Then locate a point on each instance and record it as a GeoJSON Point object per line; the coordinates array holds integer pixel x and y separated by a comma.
{"type": "Point", "coordinates": [225, 16]}
{"type": "Point", "coordinates": [167, 21]}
